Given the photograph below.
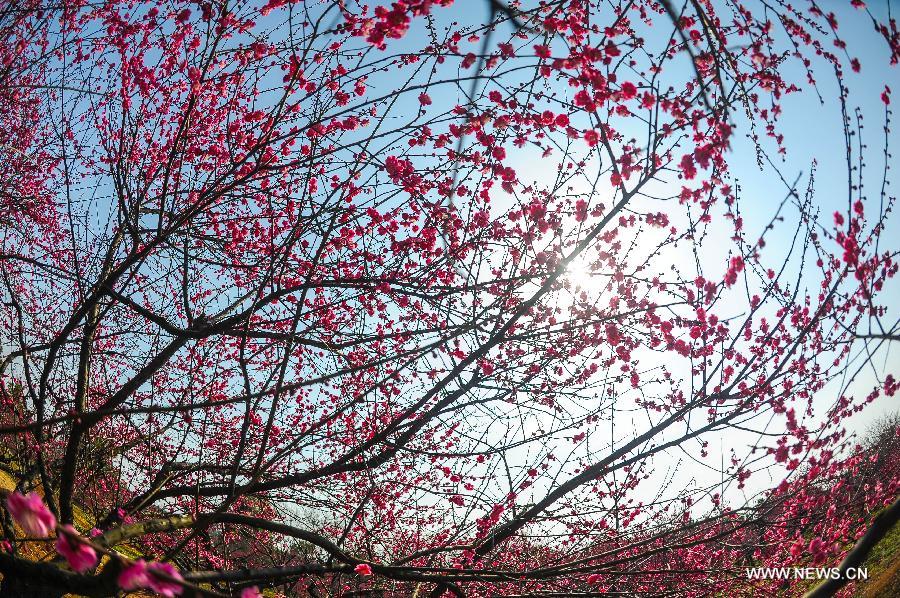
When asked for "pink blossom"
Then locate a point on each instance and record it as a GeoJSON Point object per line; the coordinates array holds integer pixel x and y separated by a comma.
{"type": "Point", "coordinates": [134, 576]}
{"type": "Point", "coordinates": [31, 513]}
{"type": "Point", "coordinates": [816, 545]}
{"type": "Point", "coordinates": [252, 592]}
{"type": "Point", "coordinates": [818, 550]}
{"type": "Point", "coordinates": [79, 555]}
{"type": "Point", "coordinates": [161, 586]}
{"type": "Point", "coordinates": [797, 548]}
{"type": "Point", "coordinates": [141, 575]}
{"type": "Point", "coordinates": [363, 569]}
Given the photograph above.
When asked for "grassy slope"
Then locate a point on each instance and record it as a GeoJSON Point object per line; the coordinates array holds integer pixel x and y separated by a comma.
{"type": "Point", "coordinates": [884, 569]}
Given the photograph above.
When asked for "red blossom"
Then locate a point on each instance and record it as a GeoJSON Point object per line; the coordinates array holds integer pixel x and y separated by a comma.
{"type": "Point", "coordinates": [628, 90]}
{"type": "Point", "coordinates": [688, 169]}
{"type": "Point", "coordinates": [542, 51]}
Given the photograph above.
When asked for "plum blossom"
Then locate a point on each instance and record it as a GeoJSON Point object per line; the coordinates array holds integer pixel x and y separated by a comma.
{"type": "Point", "coordinates": [688, 169]}
{"type": "Point", "coordinates": [363, 569]}
{"type": "Point", "coordinates": [30, 512]}
{"type": "Point", "coordinates": [140, 575]}
{"type": "Point", "coordinates": [818, 550]}
{"type": "Point", "coordinates": [161, 586]}
{"type": "Point", "coordinates": [79, 555]}
{"type": "Point", "coordinates": [134, 576]}
{"type": "Point", "coordinates": [629, 90]}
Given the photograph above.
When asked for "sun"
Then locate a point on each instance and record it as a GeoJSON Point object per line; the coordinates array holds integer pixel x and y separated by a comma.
{"type": "Point", "coordinates": [583, 276]}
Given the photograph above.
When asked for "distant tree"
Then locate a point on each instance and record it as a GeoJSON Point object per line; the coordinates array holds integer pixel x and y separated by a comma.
{"type": "Point", "coordinates": [417, 299]}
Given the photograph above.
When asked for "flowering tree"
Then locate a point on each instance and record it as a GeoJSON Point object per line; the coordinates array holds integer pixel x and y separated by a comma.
{"type": "Point", "coordinates": [421, 298]}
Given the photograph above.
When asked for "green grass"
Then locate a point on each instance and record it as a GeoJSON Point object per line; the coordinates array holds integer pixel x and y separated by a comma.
{"type": "Point", "coordinates": [884, 568]}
